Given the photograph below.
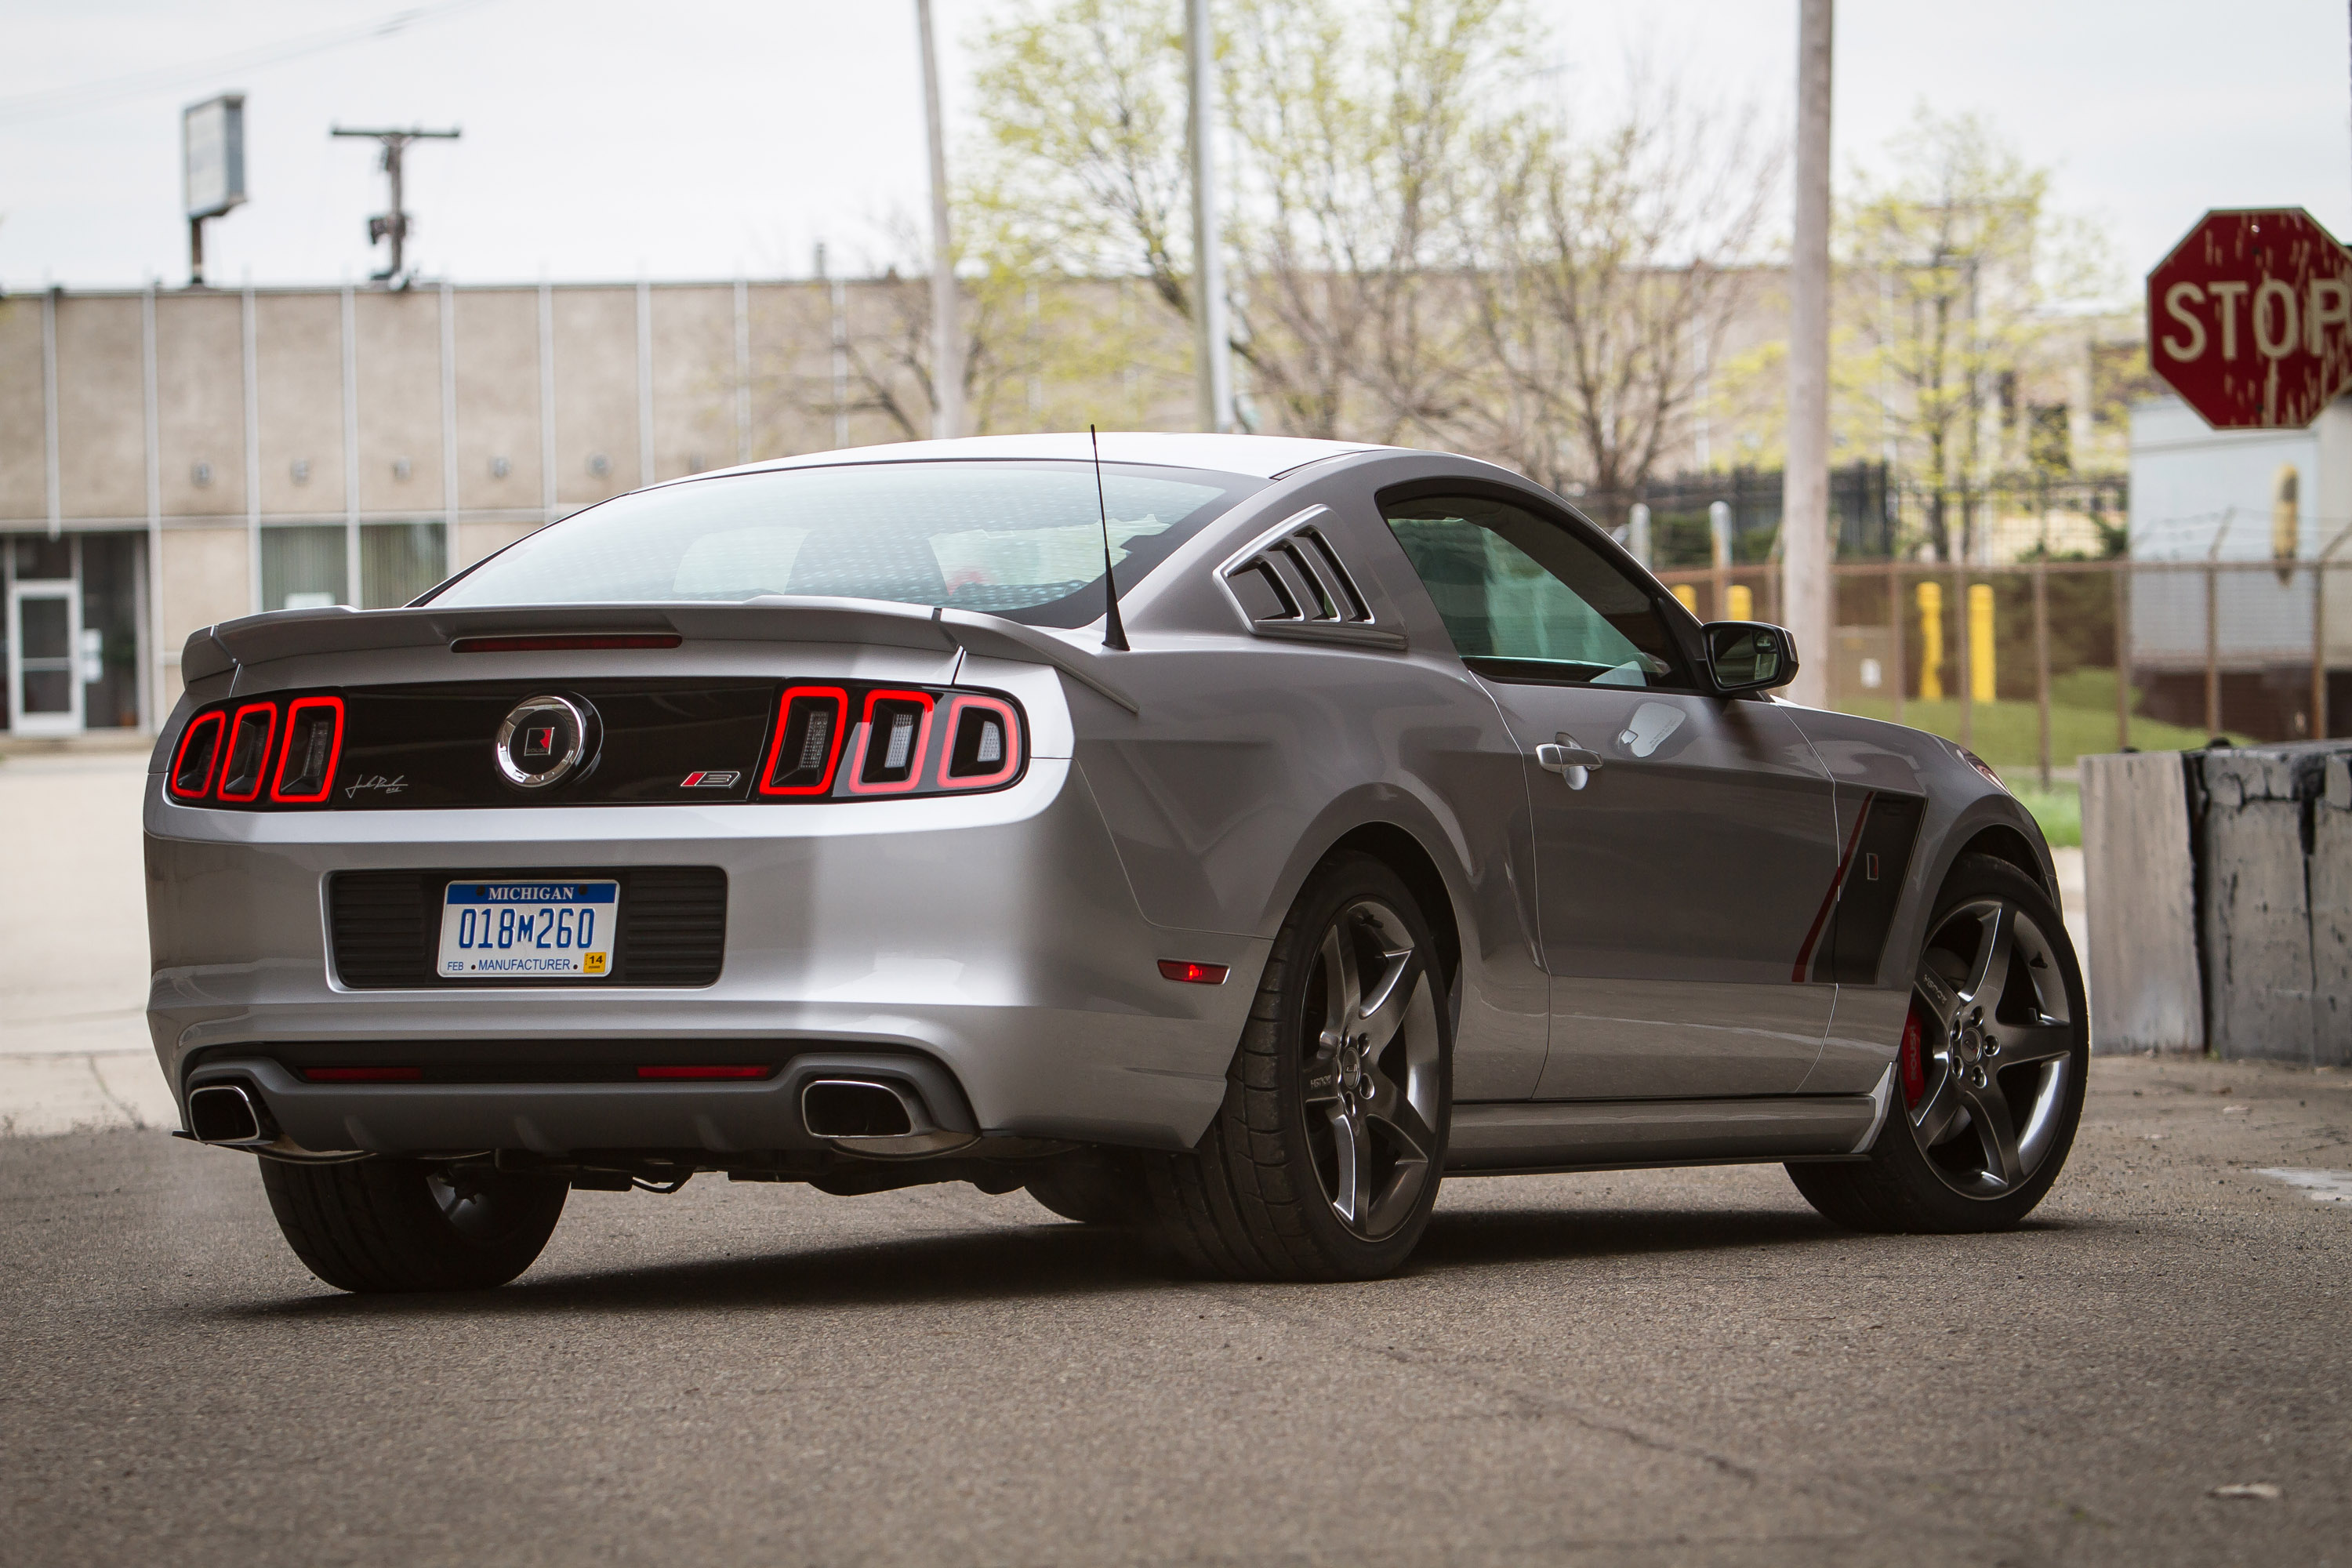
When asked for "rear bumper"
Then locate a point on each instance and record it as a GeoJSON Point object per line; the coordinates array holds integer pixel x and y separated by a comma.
{"type": "Point", "coordinates": [717, 1118]}
{"type": "Point", "coordinates": [996, 936]}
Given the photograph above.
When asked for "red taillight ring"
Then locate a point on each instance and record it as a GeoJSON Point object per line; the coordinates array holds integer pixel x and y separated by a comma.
{"type": "Point", "coordinates": [956, 710]}
{"type": "Point", "coordinates": [212, 766]}
{"type": "Point", "coordinates": [286, 754]}
{"type": "Point", "coordinates": [857, 784]}
{"type": "Point", "coordinates": [840, 700]}
{"type": "Point", "coordinates": [268, 741]}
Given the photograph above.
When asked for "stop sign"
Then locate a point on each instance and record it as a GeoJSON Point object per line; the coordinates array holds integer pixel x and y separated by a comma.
{"type": "Point", "coordinates": [2250, 318]}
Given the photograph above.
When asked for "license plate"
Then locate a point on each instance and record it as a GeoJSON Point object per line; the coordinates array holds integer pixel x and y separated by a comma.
{"type": "Point", "coordinates": [528, 930]}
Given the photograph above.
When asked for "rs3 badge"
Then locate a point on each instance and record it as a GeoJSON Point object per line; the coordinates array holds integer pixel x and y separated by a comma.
{"type": "Point", "coordinates": [719, 780]}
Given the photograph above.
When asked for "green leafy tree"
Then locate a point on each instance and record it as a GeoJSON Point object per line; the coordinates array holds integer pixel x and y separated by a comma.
{"type": "Point", "coordinates": [1956, 266]}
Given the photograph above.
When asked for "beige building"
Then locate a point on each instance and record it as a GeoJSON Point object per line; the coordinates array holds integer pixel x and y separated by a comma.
{"type": "Point", "coordinates": [173, 458]}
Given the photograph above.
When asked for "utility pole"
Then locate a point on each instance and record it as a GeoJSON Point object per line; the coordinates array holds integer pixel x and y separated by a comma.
{"type": "Point", "coordinates": [947, 328]}
{"type": "Point", "coordinates": [1213, 356]}
{"type": "Point", "coordinates": [393, 226]}
{"type": "Point", "coordinates": [1805, 484]}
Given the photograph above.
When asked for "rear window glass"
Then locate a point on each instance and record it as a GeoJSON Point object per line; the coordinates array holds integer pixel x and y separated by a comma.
{"type": "Point", "coordinates": [1020, 539]}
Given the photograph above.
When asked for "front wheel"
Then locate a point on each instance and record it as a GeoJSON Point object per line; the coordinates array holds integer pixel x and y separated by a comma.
{"type": "Point", "coordinates": [1323, 1160]}
{"type": "Point", "coordinates": [1990, 1075]}
{"type": "Point", "coordinates": [407, 1224]}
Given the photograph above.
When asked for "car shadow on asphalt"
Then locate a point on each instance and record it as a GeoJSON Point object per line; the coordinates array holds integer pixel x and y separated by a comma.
{"type": "Point", "coordinates": [1067, 1261]}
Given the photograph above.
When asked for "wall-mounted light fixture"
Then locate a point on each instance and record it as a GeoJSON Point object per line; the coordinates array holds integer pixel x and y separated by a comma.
{"type": "Point", "coordinates": [302, 471]}
{"type": "Point", "coordinates": [401, 468]}
{"type": "Point", "coordinates": [202, 473]}
{"type": "Point", "coordinates": [500, 467]}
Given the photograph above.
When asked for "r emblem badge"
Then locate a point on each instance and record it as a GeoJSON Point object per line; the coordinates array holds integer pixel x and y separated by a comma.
{"type": "Point", "coordinates": [543, 740]}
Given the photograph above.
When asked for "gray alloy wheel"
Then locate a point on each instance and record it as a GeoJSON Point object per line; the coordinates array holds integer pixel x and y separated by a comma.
{"type": "Point", "coordinates": [1988, 1076]}
{"type": "Point", "coordinates": [1323, 1160]}
{"type": "Point", "coordinates": [1369, 1081]}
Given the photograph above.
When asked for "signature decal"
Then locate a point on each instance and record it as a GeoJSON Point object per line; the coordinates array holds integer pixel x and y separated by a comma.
{"type": "Point", "coordinates": [375, 781]}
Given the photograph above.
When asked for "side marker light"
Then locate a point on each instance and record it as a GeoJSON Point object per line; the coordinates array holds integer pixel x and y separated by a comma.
{"type": "Point", "coordinates": [1914, 1066]}
{"type": "Point", "coordinates": [1193, 974]}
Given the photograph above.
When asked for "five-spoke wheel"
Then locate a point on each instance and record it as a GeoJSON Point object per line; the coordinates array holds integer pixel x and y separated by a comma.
{"type": "Point", "coordinates": [1369, 1079]}
{"type": "Point", "coordinates": [1988, 1048]}
{"type": "Point", "coordinates": [1988, 1076]}
{"type": "Point", "coordinates": [1324, 1160]}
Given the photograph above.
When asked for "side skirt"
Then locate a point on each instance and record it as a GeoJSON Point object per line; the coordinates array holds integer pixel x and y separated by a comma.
{"type": "Point", "coordinates": [1528, 1135]}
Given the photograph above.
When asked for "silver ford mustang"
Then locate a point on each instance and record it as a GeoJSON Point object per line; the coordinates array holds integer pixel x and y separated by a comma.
{"type": "Point", "coordinates": [1228, 839]}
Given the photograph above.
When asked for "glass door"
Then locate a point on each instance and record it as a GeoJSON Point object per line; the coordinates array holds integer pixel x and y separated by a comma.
{"type": "Point", "coordinates": [45, 675]}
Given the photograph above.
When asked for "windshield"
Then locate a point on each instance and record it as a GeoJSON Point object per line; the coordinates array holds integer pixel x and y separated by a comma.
{"type": "Point", "coordinates": [1023, 540]}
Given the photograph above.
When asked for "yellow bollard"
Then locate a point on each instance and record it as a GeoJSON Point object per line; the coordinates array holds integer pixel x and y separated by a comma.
{"type": "Point", "coordinates": [1931, 642]}
{"type": "Point", "coordinates": [1980, 639]}
{"type": "Point", "coordinates": [1739, 599]}
{"type": "Point", "coordinates": [1688, 596]}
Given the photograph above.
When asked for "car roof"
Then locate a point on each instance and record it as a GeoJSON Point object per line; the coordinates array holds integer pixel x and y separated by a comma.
{"type": "Point", "coordinates": [1258, 456]}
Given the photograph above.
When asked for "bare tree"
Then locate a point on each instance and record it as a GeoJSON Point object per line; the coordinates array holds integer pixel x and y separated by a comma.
{"type": "Point", "coordinates": [1352, 135]}
{"type": "Point", "coordinates": [1605, 273]}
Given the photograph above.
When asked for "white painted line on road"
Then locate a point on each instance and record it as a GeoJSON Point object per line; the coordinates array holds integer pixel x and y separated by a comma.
{"type": "Point", "coordinates": [2320, 1187]}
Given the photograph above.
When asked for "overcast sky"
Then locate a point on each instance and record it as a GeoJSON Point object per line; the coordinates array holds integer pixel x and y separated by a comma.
{"type": "Point", "coordinates": [698, 138]}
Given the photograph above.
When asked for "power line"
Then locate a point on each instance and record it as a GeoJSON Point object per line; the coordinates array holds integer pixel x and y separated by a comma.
{"type": "Point", "coordinates": [27, 107]}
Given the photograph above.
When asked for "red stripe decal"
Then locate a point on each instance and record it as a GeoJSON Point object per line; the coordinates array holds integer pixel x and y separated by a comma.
{"type": "Point", "coordinates": [1830, 899]}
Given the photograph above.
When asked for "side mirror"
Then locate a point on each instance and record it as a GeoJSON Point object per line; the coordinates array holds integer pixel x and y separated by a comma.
{"type": "Point", "coordinates": [1748, 656]}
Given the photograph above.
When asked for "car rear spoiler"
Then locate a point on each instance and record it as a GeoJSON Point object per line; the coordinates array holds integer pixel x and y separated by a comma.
{"type": "Point", "coordinates": [290, 634]}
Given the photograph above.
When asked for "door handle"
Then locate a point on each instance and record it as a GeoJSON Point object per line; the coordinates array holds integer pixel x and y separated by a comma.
{"type": "Point", "coordinates": [1569, 761]}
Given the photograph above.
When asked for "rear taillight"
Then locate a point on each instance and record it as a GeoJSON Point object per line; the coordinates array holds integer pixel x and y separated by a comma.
{"type": "Point", "coordinates": [314, 743]}
{"type": "Point", "coordinates": [983, 747]}
{"type": "Point", "coordinates": [200, 745]}
{"type": "Point", "coordinates": [807, 745]}
{"type": "Point", "coordinates": [247, 762]}
{"type": "Point", "coordinates": [274, 752]}
{"type": "Point", "coordinates": [896, 736]}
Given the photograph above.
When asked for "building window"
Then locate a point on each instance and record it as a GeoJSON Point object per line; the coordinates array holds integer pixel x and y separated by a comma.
{"type": "Point", "coordinates": [305, 567]}
{"type": "Point", "coordinates": [399, 560]}
{"type": "Point", "coordinates": [302, 568]}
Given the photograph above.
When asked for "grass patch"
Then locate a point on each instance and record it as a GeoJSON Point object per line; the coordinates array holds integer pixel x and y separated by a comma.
{"type": "Point", "coordinates": [2059, 810]}
{"type": "Point", "coordinates": [2007, 734]}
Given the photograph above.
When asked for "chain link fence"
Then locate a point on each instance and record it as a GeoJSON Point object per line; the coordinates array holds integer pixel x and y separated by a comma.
{"type": "Point", "coordinates": [2034, 665]}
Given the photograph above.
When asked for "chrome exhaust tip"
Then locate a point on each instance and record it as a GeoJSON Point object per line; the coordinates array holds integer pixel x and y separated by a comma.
{"type": "Point", "coordinates": [224, 1113]}
{"type": "Point", "coordinates": [875, 1118]}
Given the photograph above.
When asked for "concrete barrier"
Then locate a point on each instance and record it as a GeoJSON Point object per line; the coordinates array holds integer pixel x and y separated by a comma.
{"type": "Point", "coordinates": [2220, 901]}
{"type": "Point", "coordinates": [2139, 881]}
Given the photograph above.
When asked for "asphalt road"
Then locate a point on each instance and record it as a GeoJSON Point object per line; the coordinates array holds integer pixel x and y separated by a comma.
{"type": "Point", "coordinates": [1662, 1367]}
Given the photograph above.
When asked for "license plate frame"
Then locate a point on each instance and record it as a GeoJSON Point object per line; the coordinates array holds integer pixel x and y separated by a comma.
{"type": "Point", "coordinates": [574, 924]}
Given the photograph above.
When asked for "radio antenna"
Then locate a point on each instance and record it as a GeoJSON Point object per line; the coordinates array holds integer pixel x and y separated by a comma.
{"type": "Point", "coordinates": [1113, 630]}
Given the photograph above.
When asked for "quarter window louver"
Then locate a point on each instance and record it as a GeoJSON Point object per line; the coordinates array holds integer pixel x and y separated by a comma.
{"type": "Point", "coordinates": [1293, 583]}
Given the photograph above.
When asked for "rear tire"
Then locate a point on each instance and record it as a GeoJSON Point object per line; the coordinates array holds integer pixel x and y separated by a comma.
{"type": "Point", "coordinates": [404, 1225]}
{"type": "Point", "coordinates": [1323, 1160]}
{"type": "Point", "coordinates": [1989, 1082]}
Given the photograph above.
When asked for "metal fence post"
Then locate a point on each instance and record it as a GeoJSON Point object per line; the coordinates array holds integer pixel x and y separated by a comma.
{"type": "Point", "coordinates": [2319, 649]}
{"type": "Point", "coordinates": [2123, 655]}
{"type": "Point", "coordinates": [1965, 664]}
{"type": "Point", "coordinates": [2212, 649]}
{"type": "Point", "coordinates": [2041, 657]}
{"type": "Point", "coordinates": [1894, 659]}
